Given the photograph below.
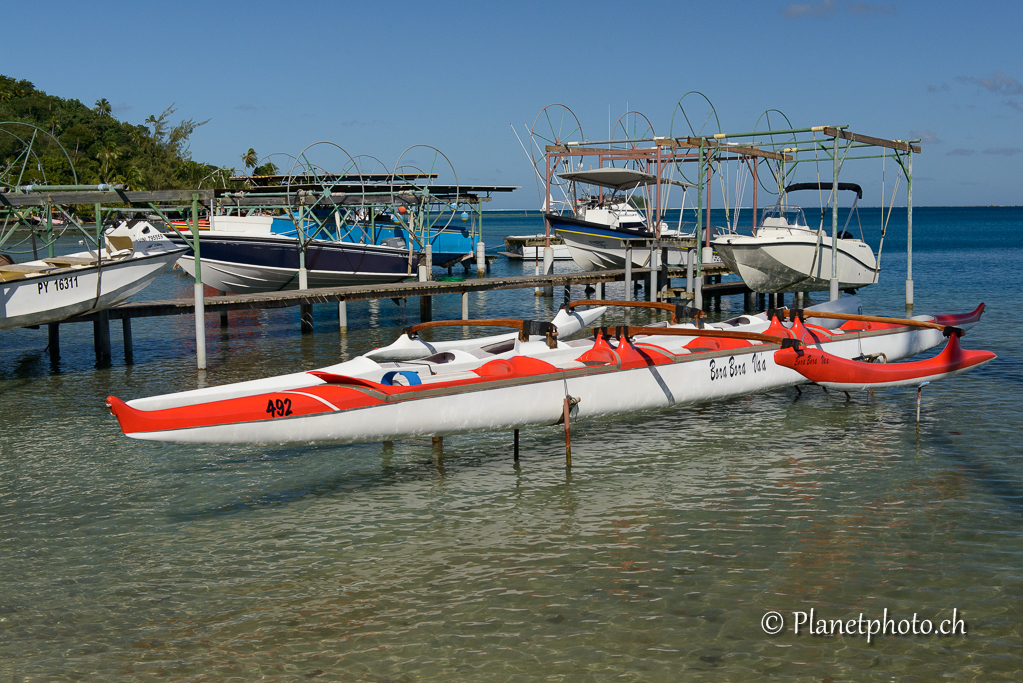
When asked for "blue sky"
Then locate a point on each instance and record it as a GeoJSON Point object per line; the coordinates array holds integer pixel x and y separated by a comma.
{"type": "Point", "coordinates": [379, 77]}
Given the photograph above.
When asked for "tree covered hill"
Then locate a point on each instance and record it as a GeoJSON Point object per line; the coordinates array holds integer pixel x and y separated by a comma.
{"type": "Point", "coordinates": [151, 156]}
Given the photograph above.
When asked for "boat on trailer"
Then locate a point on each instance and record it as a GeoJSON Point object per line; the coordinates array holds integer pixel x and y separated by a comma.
{"type": "Point", "coordinates": [51, 289]}
{"type": "Point", "coordinates": [537, 379]}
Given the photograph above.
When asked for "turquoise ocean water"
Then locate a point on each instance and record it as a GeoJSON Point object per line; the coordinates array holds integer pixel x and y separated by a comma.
{"type": "Point", "coordinates": [655, 559]}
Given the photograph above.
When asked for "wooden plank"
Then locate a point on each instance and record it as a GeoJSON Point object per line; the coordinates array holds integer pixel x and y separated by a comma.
{"type": "Point", "coordinates": [740, 149]}
{"type": "Point", "coordinates": [394, 290]}
{"type": "Point", "coordinates": [866, 139]}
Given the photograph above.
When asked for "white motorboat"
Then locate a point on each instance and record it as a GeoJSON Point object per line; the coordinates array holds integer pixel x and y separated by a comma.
{"type": "Point", "coordinates": [784, 254]}
{"type": "Point", "coordinates": [53, 289]}
{"type": "Point", "coordinates": [527, 381]}
{"type": "Point", "coordinates": [518, 248]}
{"type": "Point", "coordinates": [599, 227]}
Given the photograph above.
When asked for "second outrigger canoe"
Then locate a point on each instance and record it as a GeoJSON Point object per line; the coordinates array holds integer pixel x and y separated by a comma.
{"type": "Point", "coordinates": [534, 383]}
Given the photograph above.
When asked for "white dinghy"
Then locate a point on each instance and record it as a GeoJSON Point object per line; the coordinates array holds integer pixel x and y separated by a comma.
{"type": "Point", "coordinates": [53, 289]}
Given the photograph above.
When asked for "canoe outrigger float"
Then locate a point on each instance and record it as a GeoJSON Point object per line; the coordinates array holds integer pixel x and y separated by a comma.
{"type": "Point", "coordinates": [536, 379]}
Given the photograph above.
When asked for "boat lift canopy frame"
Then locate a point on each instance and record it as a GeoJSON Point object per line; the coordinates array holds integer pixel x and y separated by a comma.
{"type": "Point", "coordinates": [835, 143]}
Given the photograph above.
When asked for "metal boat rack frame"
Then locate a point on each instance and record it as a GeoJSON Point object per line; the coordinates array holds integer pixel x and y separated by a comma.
{"type": "Point", "coordinates": [783, 147]}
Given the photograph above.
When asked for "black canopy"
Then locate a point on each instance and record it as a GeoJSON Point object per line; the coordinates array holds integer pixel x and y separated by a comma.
{"type": "Point", "coordinates": [826, 186]}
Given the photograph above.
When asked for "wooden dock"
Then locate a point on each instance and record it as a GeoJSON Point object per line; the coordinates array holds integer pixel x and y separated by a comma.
{"type": "Point", "coordinates": [713, 289]}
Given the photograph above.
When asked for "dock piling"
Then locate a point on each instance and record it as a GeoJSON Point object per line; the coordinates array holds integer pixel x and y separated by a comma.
{"type": "Point", "coordinates": [306, 315]}
{"type": "Point", "coordinates": [129, 356]}
{"type": "Point", "coordinates": [223, 314]}
{"type": "Point", "coordinates": [342, 316]}
{"type": "Point", "coordinates": [465, 305]}
{"type": "Point", "coordinates": [628, 271]}
{"type": "Point", "coordinates": [548, 267]}
{"type": "Point", "coordinates": [101, 336]}
{"type": "Point", "coordinates": [515, 445]}
{"type": "Point", "coordinates": [54, 346]}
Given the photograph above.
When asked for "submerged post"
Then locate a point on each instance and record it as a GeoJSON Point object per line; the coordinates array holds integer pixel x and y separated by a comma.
{"type": "Point", "coordinates": [129, 356]}
{"type": "Point", "coordinates": [909, 234]}
{"type": "Point", "coordinates": [465, 305]}
{"type": "Point", "coordinates": [54, 346]}
{"type": "Point", "coordinates": [200, 303]}
{"type": "Point", "coordinates": [567, 408]}
{"type": "Point", "coordinates": [223, 314]}
{"type": "Point", "coordinates": [515, 441]}
{"type": "Point", "coordinates": [342, 316]}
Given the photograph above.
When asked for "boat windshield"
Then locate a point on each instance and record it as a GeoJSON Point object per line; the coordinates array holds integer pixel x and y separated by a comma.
{"type": "Point", "coordinates": [784, 217]}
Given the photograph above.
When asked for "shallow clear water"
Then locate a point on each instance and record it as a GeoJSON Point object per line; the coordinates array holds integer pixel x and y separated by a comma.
{"type": "Point", "coordinates": [654, 559]}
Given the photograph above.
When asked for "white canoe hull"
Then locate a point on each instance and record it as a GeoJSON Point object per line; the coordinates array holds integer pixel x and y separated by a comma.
{"type": "Point", "coordinates": [539, 401]}
{"type": "Point", "coordinates": [68, 292]}
{"type": "Point", "coordinates": [796, 263]}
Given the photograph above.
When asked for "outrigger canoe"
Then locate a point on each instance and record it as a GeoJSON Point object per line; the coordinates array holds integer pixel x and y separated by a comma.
{"type": "Point", "coordinates": [537, 382]}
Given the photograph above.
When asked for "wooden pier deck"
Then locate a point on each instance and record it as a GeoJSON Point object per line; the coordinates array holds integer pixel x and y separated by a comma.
{"type": "Point", "coordinates": [712, 290]}
{"type": "Point", "coordinates": [395, 290]}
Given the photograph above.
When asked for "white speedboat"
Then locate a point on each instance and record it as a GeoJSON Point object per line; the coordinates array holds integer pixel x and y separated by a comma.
{"type": "Point", "coordinates": [784, 254]}
{"type": "Point", "coordinates": [599, 227]}
{"type": "Point", "coordinates": [53, 289]}
{"type": "Point", "coordinates": [517, 247]}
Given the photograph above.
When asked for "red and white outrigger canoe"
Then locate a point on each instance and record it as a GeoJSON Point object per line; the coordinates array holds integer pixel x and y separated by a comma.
{"type": "Point", "coordinates": [626, 369]}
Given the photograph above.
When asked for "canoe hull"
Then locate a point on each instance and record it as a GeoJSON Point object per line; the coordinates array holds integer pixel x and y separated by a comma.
{"type": "Point", "coordinates": [344, 414]}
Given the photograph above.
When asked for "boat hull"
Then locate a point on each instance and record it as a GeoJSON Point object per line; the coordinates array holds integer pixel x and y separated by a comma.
{"type": "Point", "coordinates": [68, 292]}
{"type": "Point", "coordinates": [844, 374]}
{"type": "Point", "coordinates": [246, 264]}
{"type": "Point", "coordinates": [350, 410]}
{"type": "Point", "coordinates": [796, 263]}
{"type": "Point", "coordinates": [597, 247]}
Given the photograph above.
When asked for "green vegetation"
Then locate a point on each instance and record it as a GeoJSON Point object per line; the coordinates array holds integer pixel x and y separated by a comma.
{"type": "Point", "coordinates": [151, 156]}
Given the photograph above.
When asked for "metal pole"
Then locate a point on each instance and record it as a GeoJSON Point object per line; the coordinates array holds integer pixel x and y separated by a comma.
{"type": "Point", "coordinates": [548, 251]}
{"type": "Point", "coordinates": [835, 294]}
{"type": "Point", "coordinates": [698, 279]}
{"type": "Point", "coordinates": [303, 275]}
{"type": "Point", "coordinates": [909, 236]}
{"type": "Point", "coordinates": [652, 278]}
{"type": "Point", "coordinates": [628, 270]}
{"type": "Point", "coordinates": [567, 408]}
{"type": "Point", "coordinates": [707, 251]}
{"type": "Point", "coordinates": [49, 230]}
{"type": "Point", "coordinates": [200, 302]}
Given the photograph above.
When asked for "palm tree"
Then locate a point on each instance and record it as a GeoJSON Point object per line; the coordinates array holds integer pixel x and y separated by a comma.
{"type": "Point", "coordinates": [103, 107]}
{"type": "Point", "coordinates": [109, 155]}
{"type": "Point", "coordinates": [250, 159]}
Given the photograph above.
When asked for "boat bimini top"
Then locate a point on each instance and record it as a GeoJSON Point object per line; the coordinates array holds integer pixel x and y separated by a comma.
{"type": "Point", "coordinates": [617, 179]}
{"type": "Point", "coordinates": [783, 216]}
